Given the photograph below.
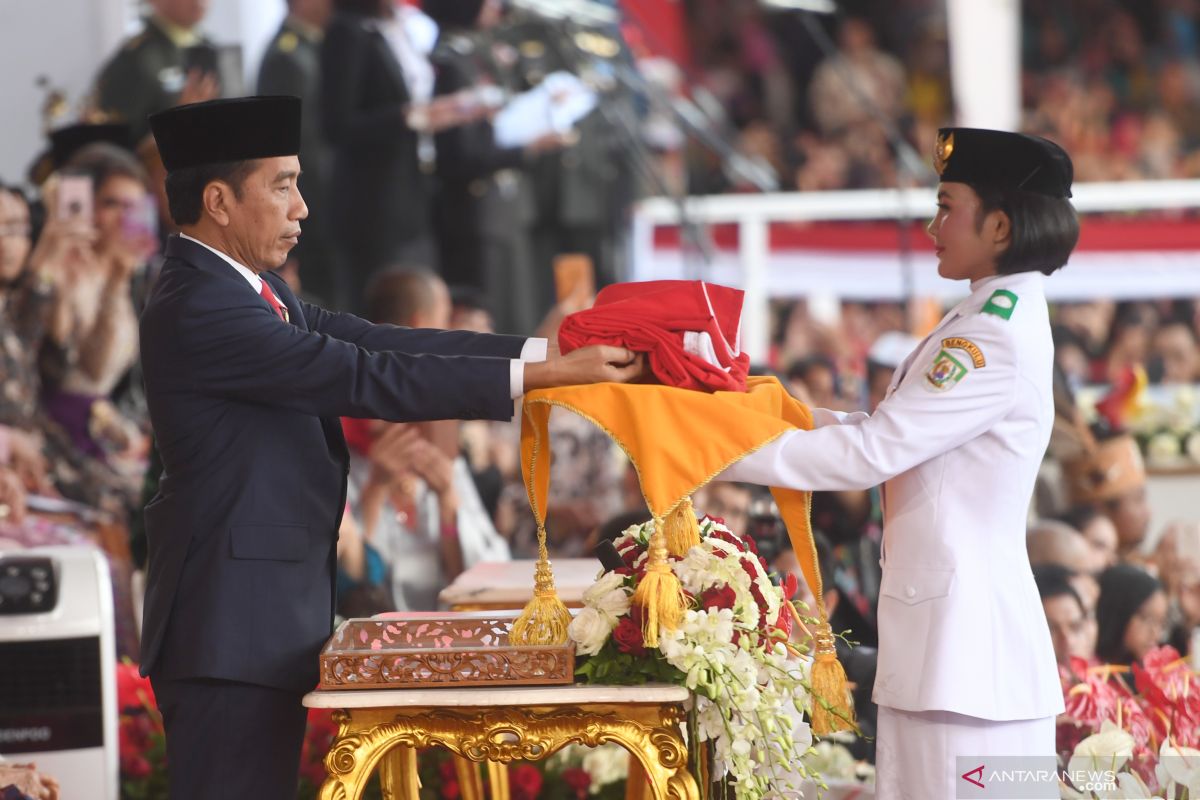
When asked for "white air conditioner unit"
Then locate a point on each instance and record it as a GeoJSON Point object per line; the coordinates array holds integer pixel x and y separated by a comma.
{"type": "Point", "coordinates": [58, 701]}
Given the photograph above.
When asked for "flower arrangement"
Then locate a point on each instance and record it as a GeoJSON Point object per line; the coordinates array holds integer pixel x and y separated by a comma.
{"type": "Point", "coordinates": [1143, 737]}
{"type": "Point", "coordinates": [141, 741]}
{"type": "Point", "coordinates": [731, 650]}
{"type": "Point", "coordinates": [1165, 419]}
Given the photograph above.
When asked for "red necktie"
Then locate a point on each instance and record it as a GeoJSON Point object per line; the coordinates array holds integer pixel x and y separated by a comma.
{"type": "Point", "coordinates": [273, 301]}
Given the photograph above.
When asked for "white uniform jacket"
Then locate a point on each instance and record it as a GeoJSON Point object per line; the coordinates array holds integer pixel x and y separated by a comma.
{"type": "Point", "coordinates": [956, 444]}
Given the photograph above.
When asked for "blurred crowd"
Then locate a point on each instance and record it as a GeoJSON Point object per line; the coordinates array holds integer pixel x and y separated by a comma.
{"type": "Point", "coordinates": [1115, 82]}
{"type": "Point", "coordinates": [418, 218]}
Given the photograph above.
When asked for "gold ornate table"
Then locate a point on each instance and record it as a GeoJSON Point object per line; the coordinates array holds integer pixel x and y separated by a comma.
{"type": "Point", "coordinates": [497, 725]}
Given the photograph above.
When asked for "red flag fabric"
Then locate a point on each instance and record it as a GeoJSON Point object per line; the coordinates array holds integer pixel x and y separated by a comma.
{"type": "Point", "coordinates": [690, 331]}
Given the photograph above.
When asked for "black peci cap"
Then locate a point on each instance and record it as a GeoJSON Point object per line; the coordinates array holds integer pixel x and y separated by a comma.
{"type": "Point", "coordinates": [1003, 159]}
{"type": "Point", "coordinates": [217, 131]}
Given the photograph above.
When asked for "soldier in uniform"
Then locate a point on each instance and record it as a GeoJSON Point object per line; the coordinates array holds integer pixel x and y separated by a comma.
{"type": "Point", "coordinates": [581, 193]}
{"type": "Point", "coordinates": [292, 66]}
{"type": "Point", "coordinates": [966, 666]}
{"type": "Point", "coordinates": [167, 63]}
{"type": "Point", "coordinates": [481, 203]}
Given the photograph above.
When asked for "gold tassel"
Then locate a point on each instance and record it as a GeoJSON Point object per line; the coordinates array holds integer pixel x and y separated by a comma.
{"type": "Point", "coordinates": [545, 618]}
{"type": "Point", "coordinates": [659, 593]}
{"type": "Point", "coordinates": [682, 529]}
{"type": "Point", "coordinates": [832, 709]}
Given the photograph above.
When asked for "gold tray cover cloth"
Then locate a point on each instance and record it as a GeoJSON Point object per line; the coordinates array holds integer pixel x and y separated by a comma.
{"type": "Point", "coordinates": [678, 440]}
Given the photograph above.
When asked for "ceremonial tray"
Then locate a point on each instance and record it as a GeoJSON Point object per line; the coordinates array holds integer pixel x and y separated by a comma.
{"type": "Point", "coordinates": [424, 650]}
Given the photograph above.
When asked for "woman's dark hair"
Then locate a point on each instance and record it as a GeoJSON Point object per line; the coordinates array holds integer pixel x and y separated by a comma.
{"type": "Point", "coordinates": [101, 161]}
{"type": "Point", "coordinates": [370, 8]}
{"type": "Point", "coordinates": [185, 187]}
{"type": "Point", "coordinates": [1044, 229]}
{"type": "Point", "coordinates": [1054, 580]}
{"type": "Point", "coordinates": [1123, 590]}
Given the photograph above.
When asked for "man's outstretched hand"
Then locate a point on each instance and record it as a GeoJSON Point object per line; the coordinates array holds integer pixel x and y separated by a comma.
{"type": "Point", "coordinates": [596, 364]}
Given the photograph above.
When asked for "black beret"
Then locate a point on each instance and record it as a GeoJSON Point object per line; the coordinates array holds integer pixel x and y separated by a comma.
{"type": "Point", "coordinates": [70, 139]}
{"type": "Point", "coordinates": [217, 131]}
{"type": "Point", "coordinates": [1002, 159]}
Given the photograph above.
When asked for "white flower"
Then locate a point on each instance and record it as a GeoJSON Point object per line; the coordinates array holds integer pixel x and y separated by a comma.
{"type": "Point", "coordinates": [1129, 787]}
{"type": "Point", "coordinates": [609, 596]}
{"type": "Point", "coordinates": [603, 585]}
{"type": "Point", "coordinates": [606, 764]}
{"type": "Point", "coordinates": [590, 630]}
{"type": "Point", "coordinates": [832, 760]}
{"type": "Point", "coordinates": [1177, 767]}
{"type": "Point", "coordinates": [1162, 447]}
{"type": "Point", "coordinates": [1106, 751]}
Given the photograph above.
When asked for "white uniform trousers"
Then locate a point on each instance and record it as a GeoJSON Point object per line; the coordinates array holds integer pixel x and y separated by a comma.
{"type": "Point", "coordinates": [915, 750]}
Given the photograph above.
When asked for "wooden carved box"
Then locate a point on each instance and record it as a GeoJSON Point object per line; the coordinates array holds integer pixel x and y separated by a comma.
{"type": "Point", "coordinates": [428, 650]}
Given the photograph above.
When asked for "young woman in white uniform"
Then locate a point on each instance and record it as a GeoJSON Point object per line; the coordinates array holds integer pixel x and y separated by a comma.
{"type": "Point", "coordinates": [966, 666]}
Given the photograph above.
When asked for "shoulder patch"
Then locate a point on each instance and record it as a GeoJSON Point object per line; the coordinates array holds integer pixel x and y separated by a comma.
{"type": "Point", "coordinates": [1001, 303]}
{"type": "Point", "coordinates": [287, 42]}
{"type": "Point", "coordinates": [968, 347]}
{"type": "Point", "coordinates": [945, 372]}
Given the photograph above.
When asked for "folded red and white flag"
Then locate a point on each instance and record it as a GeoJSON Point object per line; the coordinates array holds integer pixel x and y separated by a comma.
{"type": "Point", "coordinates": [689, 330]}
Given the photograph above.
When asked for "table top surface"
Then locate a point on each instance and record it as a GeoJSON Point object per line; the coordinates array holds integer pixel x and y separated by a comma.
{"type": "Point", "coordinates": [495, 696]}
{"type": "Point", "coordinates": [511, 582]}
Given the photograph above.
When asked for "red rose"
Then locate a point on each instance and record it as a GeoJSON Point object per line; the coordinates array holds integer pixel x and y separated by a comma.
{"type": "Point", "coordinates": [526, 781]}
{"type": "Point", "coordinates": [137, 767]}
{"type": "Point", "coordinates": [133, 691]}
{"type": "Point", "coordinates": [578, 779]}
{"type": "Point", "coordinates": [718, 597]}
{"type": "Point", "coordinates": [628, 636]}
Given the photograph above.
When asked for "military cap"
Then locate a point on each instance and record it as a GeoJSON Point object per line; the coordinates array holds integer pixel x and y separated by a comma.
{"type": "Point", "coordinates": [70, 139]}
{"type": "Point", "coordinates": [217, 131]}
{"type": "Point", "coordinates": [1003, 159]}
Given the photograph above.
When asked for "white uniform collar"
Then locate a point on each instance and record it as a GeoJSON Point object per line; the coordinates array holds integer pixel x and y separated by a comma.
{"type": "Point", "coordinates": [983, 288]}
{"type": "Point", "coordinates": [247, 273]}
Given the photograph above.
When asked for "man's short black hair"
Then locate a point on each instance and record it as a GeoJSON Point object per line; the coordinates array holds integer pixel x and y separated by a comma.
{"type": "Point", "coordinates": [185, 187]}
{"type": "Point", "coordinates": [1043, 229]}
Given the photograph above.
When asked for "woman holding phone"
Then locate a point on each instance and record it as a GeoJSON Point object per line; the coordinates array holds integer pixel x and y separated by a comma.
{"type": "Point", "coordinates": [100, 233]}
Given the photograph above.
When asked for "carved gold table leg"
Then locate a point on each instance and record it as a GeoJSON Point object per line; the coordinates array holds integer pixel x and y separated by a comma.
{"type": "Point", "coordinates": [398, 774]}
{"type": "Point", "coordinates": [649, 731]}
{"type": "Point", "coordinates": [469, 781]}
{"type": "Point", "coordinates": [636, 787]}
{"type": "Point", "coordinates": [498, 780]}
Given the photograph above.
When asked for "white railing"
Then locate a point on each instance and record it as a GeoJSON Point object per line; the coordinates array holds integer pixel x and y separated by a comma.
{"type": "Point", "coordinates": [753, 214]}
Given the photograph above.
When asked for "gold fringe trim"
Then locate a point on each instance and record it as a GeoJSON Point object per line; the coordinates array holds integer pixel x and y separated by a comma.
{"type": "Point", "coordinates": [832, 708]}
{"type": "Point", "coordinates": [682, 529]}
{"type": "Point", "coordinates": [659, 593]}
{"type": "Point", "coordinates": [545, 618]}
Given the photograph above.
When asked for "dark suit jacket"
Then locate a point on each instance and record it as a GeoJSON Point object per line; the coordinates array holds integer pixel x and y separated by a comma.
{"type": "Point", "coordinates": [245, 410]}
{"type": "Point", "coordinates": [382, 195]}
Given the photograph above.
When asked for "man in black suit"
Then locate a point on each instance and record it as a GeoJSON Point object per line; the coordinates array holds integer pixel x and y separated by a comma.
{"type": "Point", "coordinates": [245, 385]}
